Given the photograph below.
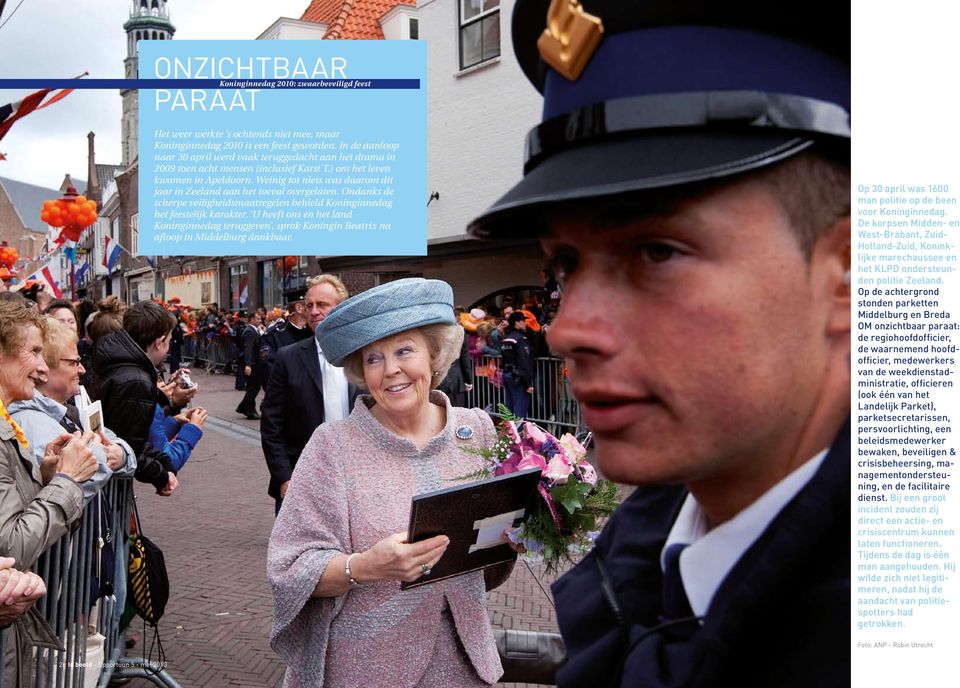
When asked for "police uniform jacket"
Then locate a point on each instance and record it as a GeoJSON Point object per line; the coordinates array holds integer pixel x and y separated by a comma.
{"type": "Point", "coordinates": [516, 357]}
{"type": "Point", "coordinates": [250, 350]}
{"type": "Point", "coordinates": [780, 618]}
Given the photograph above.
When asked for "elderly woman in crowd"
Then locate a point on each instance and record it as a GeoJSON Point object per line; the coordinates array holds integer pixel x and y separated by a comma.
{"type": "Point", "coordinates": [64, 311]}
{"type": "Point", "coordinates": [48, 413]}
{"type": "Point", "coordinates": [338, 550]}
{"type": "Point", "coordinates": [37, 502]}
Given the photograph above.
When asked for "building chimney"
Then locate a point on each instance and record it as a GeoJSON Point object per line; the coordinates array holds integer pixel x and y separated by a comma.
{"type": "Point", "coordinates": [93, 183]}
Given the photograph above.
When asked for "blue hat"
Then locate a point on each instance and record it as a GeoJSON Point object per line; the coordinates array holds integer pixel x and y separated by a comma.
{"type": "Point", "coordinates": [648, 95]}
{"type": "Point", "coordinates": [382, 312]}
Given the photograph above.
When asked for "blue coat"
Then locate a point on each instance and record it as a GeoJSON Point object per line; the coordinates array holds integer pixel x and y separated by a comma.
{"type": "Point", "coordinates": [173, 439]}
{"type": "Point", "coordinates": [780, 618]}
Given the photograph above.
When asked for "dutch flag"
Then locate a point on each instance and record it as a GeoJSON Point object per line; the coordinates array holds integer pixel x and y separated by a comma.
{"type": "Point", "coordinates": [111, 253]}
{"type": "Point", "coordinates": [46, 277]}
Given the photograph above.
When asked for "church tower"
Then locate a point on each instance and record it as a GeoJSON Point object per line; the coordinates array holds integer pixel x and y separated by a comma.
{"type": "Point", "coordinates": [149, 20]}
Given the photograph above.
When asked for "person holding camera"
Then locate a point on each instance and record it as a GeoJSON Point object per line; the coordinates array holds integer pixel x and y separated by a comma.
{"type": "Point", "coordinates": [126, 363]}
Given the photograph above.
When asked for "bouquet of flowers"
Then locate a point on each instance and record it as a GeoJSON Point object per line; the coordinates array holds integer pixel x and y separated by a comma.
{"type": "Point", "coordinates": [564, 520]}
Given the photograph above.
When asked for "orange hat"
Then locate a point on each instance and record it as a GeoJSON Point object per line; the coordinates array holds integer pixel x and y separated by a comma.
{"type": "Point", "coordinates": [531, 320]}
{"type": "Point", "coordinates": [470, 320]}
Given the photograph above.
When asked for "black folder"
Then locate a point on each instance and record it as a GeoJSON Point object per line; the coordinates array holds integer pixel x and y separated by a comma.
{"type": "Point", "coordinates": [473, 516]}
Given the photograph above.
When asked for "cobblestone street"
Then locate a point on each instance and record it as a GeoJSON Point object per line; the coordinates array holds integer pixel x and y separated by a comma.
{"type": "Point", "coordinates": [213, 532]}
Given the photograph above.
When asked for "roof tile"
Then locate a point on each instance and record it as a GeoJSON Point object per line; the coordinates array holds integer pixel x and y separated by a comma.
{"type": "Point", "coordinates": [352, 19]}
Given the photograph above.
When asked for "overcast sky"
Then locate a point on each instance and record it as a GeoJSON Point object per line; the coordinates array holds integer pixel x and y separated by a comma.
{"type": "Point", "coordinates": [57, 39]}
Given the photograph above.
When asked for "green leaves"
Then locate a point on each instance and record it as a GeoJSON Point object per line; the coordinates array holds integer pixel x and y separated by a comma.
{"type": "Point", "coordinates": [506, 413]}
{"type": "Point", "coordinates": [571, 495]}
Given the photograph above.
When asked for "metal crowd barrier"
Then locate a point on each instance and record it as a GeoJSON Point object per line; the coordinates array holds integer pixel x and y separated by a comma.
{"type": "Point", "coordinates": [552, 406]}
{"type": "Point", "coordinates": [216, 352]}
{"type": "Point", "coordinates": [67, 569]}
{"type": "Point", "coordinates": [188, 352]}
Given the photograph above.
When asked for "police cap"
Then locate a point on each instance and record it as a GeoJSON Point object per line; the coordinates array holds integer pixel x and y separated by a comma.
{"type": "Point", "coordinates": [294, 295]}
{"type": "Point", "coordinates": [654, 94]}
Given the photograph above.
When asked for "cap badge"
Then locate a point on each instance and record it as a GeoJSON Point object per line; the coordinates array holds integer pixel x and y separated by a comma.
{"type": "Point", "coordinates": [464, 432]}
{"type": "Point", "coordinates": [571, 37]}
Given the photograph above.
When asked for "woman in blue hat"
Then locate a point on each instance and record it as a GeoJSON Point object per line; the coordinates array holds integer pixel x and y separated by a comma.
{"type": "Point", "coordinates": [338, 550]}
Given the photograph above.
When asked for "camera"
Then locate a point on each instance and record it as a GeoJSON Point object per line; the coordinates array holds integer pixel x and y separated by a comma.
{"type": "Point", "coordinates": [185, 381]}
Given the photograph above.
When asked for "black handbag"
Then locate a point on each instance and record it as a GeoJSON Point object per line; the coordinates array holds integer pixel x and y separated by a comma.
{"type": "Point", "coordinates": [147, 584]}
{"type": "Point", "coordinates": [530, 656]}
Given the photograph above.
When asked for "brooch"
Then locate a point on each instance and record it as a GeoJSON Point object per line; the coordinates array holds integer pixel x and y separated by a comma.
{"type": "Point", "coordinates": [464, 432]}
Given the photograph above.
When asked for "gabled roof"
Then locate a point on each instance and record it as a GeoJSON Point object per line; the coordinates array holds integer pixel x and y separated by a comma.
{"type": "Point", "coordinates": [352, 19]}
{"type": "Point", "coordinates": [105, 174]}
{"type": "Point", "coordinates": [27, 200]}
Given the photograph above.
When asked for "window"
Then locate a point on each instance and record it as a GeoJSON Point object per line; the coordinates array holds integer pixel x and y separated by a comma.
{"type": "Point", "coordinates": [479, 31]}
{"type": "Point", "coordinates": [134, 235]}
{"type": "Point", "coordinates": [238, 286]}
{"type": "Point", "coordinates": [291, 273]}
{"type": "Point", "coordinates": [414, 29]}
{"type": "Point", "coordinates": [272, 287]}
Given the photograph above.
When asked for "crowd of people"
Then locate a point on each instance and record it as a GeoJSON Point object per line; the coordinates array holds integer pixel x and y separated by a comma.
{"type": "Point", "coordinates": [58, 452]}
{"type": "Point", "coordinates": [501, 346]}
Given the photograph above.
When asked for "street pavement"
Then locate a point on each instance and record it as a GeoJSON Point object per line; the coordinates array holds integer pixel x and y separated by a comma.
{"type": "Point", "coordinates": [213, 532]}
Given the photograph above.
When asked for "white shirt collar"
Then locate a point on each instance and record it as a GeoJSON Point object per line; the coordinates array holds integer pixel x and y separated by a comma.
{"type": "Point", "coordinates": [712, 554]}
{"type": "Point", "coordinates": [336, 396]}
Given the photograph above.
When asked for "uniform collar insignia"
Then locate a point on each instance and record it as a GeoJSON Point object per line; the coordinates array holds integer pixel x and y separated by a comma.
{"type": "Point", "coordinates": [571, 37]}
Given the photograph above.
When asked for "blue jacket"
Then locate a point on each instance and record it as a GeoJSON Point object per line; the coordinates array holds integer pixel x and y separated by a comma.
{"type": "Point", "coordinates": [492, 347]}
{"type": "Point", "coordinates": [780, 618]}
{"type": "Point", "coordinates": [173, 439]}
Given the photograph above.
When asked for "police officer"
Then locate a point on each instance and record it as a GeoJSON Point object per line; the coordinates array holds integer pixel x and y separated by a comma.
{"type": "Point", "coordinates": [516, 359]}
{"type": "Point", "coordinates": [287, 331]}
{"type": "Point", "coordinates": [251, 364]}
{"type": "Point", "coordinates": [691, 176]}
